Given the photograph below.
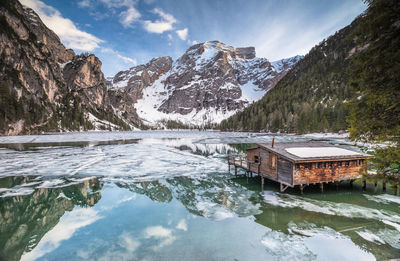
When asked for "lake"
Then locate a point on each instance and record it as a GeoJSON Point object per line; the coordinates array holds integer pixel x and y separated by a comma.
{"type": "Point", "coordinates": [168, 195]}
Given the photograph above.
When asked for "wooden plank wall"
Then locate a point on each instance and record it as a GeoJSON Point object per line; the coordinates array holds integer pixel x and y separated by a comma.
{"type": "Point", "coordinates": [265, 167]}
{"type": "Point", "coordinates": [335, 173]}
{"type": "Point", "coordinates": [285, 171]}
{"type": "Point", "coordinates": [251, 154]}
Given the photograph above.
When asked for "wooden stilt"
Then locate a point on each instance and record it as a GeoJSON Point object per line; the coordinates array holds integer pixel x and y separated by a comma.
{"type": "Point", "coordinates": [262, 183]}
{"type": "Point", "coordinates": [321, 186]}
{"type": "Point", "coordinates": [301, 189]}
{"type": "Point", "coordinates": [247, 176]}
{"type": "Point", "coordinates": [375, 186]}
{"type": "Point", "coordinates": [235, 171]}
{"type": "Point", "coordinates": [364, 184]}
{"type": "Point", "coordinates": [282, 187]}
{"type": "Point", "coordinates": [229, 167]}
{"type": "Point", "coordinates": [384, 186]}
{"type": "Point", "coordinates": [351, 183]}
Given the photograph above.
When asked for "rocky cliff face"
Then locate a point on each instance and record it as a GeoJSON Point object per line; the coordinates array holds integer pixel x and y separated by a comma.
{"type": "Point", "coordinates": [207, 84]}
{"type": "Point", "coordinates": [126, 87]}
{"type": "Point", "coordinates": [42, 84]}
{"type": "Point", "coordinates": [46, 87]}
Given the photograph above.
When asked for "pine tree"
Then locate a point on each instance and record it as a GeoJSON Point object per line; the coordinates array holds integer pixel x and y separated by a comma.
{"type": "Point", "coordinates": [375, 80]}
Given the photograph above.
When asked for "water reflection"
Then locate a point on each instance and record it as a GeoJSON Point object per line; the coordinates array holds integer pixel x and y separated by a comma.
{"type": "Point", "coordinates": [25, 219]}
{"type": "Point", "coordinates": [168, 198]}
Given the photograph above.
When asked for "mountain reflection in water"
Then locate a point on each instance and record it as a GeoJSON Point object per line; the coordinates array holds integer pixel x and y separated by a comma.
{"type": "Point", "coordinates": [159, 199]}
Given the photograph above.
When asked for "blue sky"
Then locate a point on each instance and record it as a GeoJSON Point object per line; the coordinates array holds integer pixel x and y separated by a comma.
{"type": "Point", "coordinates": [124, 33]}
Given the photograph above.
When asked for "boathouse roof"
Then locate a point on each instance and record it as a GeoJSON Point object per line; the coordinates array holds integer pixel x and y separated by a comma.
{"type": "Point", "coordinates": [312, 151]}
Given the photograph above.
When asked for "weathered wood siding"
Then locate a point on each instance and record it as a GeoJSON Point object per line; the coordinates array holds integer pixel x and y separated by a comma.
{"type": "Point", "coordinates": [251, 154]}
{"type": "Point", "coordinates": [254, 167]}
{"type": "Point", "coordinates": [285, 171]}
{"type": "Point", "coordinates": [266, 168]}
{"type": "Point", "coordinates": [335, 173]}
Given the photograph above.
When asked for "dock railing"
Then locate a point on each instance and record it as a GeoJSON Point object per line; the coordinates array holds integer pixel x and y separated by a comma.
{"type": "Point", "coordinates": [241, 161]}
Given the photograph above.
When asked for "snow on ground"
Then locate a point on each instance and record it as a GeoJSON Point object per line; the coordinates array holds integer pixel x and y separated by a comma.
{"type": "Point", "coordinates": [155, 95]}
{"type": "Point", "coordinates": [251, 92]}
{"type": "Point", "coordinates": [280, 64]}
{"type": "Point", "coordinates": [327, 135]}
{"type": "Point", "coordinates": [99, 124]}
{"type": "Point", "coordinates": [306, 152]}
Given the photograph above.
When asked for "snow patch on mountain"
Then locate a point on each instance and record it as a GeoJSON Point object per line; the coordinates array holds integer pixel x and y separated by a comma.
{"type": "Point", "coordinates": [210, 82]}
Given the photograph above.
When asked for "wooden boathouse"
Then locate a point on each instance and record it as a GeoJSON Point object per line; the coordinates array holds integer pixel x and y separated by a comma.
{"type": "Point", "coordinates": [300, 163]}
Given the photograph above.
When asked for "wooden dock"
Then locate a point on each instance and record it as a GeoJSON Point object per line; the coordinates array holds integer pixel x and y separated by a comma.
{"type": "Point", "coordinates": [250, 167]}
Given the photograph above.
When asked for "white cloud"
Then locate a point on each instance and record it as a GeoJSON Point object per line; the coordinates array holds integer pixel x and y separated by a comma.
{"type": "Point", "coordinates": [65, 229]}
{"type": "Point", "coordinates": [70, 35]}
{"type": "Point", "coordinates": [170, 36]}
{"type": "Point", "coordinates": [116, 53]}
{"type": "Point", "coordinates": [84, 3]}
{"type": "Point", "coordinates": [118, 3]}
{"type": "Point", "coordinates": [128, 242]}
{"type": "Point", "coordinates": [182, 225]}
{"type": "Point", "coordinates": [129, 16]}
{"type": "Point", "coordinates": [166, 23]}
{"type": "Point", "coordinates": [163, 234]}
{"type": "Point", "coordinates": [182, 33]}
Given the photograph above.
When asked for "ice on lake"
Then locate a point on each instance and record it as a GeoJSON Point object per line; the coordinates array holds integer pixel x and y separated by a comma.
{"type": "Point", "coordinates": [168, 195]}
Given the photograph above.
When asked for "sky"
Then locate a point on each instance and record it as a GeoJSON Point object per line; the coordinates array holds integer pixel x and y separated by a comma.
{"type": "Point", "coordinates": [125, 33]}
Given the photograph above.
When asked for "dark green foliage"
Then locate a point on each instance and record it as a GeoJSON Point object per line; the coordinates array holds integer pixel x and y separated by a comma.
{"type": "Point", "coordinates": [310, 98]}
{"type": "Point", "coordinates": [375, 77]}
{"type": "Point", "coordinates": [375, 80]}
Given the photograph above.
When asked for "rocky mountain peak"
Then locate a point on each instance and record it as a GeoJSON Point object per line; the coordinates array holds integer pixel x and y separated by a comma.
{"type": "Point", "coordinates": [208, 83]}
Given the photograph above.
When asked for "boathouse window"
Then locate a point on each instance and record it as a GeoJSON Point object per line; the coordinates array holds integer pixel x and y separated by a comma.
{"type": "Point", "coordinates": [256, 159]}
{"type": "Point", "coordinates": [339, 163]}
{"type": "Point", "coordinates": [297, 166]}
{"type": "Point", "coordinates": [308, 165]}
{"type": "Point", "coordinates": [358, 162]}
{"type": "Point", "coordinates": [323, 164]}
{"type": "Point", "coordinates": [317, 165]}
{"type": "Point", "coordinates": [347, 163]}
{"type": "Point", "coordinates": [329, 164]}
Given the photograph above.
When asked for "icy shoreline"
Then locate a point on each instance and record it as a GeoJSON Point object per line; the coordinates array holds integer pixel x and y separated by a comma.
{"type": "Point", "coordinates": [99, 136]}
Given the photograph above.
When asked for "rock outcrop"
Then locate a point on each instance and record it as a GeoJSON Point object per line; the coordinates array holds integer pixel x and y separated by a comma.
{"type": "Point", "coordinates": [42, 83]}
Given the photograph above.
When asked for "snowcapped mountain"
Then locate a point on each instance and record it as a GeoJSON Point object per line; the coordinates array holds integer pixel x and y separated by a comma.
{"type": "Point", "coordinates": [208, 83]}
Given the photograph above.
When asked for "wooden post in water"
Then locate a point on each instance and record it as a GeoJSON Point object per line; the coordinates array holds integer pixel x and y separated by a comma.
{"type": "Point", "coordinates": [301, 189]}
{"type": "Point", "coordinates": [262, 183]}
{"type": "Point", "coordinates": [384, 186]}
{"type": "Point", "coordinates": [235, 171]}
{"type": "Point", "coordinates": [376, 186]}
{"type": "Point", "coordinates": [321, 186]}
{"type": "Point", "coordinates": [364, 184]}
{"type": "Point", "coordinates": [351, 183]}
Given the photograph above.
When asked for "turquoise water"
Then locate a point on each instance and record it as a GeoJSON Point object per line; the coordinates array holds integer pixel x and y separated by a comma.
{"type": "Point", "coordinates": [174, 199]}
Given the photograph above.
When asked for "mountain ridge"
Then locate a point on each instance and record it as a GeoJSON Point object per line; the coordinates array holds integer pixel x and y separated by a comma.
{"type": "Point", "coordinates": [312, 95]}
{"type": "Point", "coordinates": [208, 83]}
